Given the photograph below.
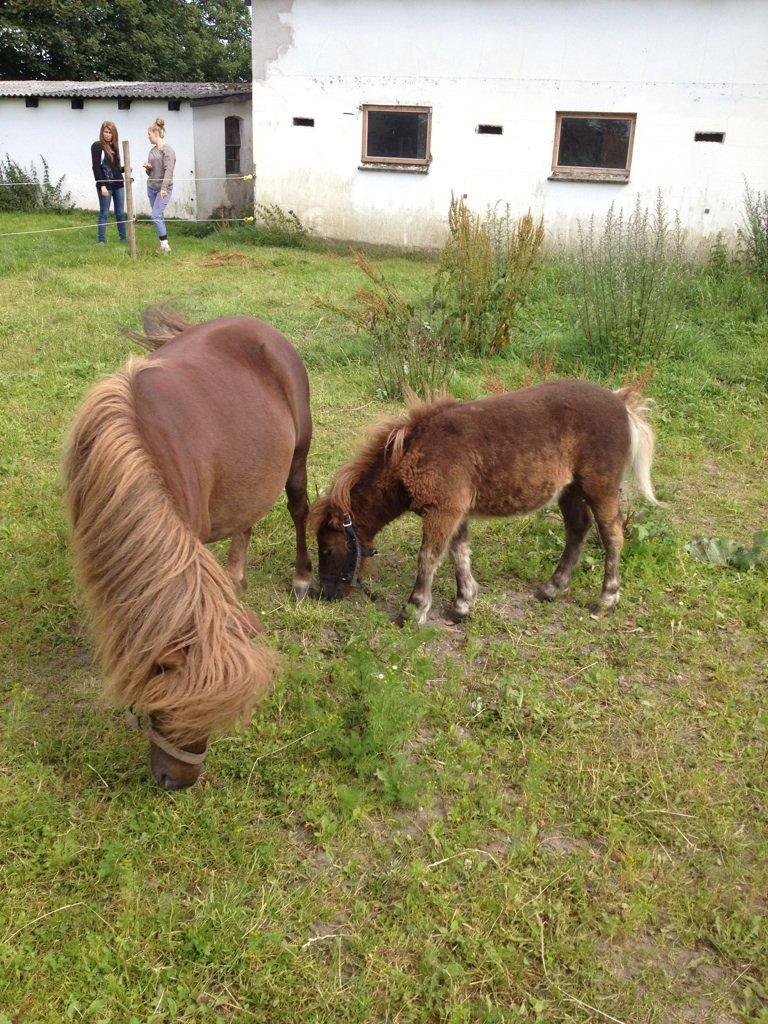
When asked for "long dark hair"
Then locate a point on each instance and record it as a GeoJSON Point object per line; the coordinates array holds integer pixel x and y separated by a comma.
{"type": "Point", "coordinates": [112, 149]}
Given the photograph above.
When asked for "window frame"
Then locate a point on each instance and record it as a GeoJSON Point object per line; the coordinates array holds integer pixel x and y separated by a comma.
{"type": "Point", "coordinates": [565, 172]}
{"type": "Point", "coordinates": [231, 146]}
{"type": "Point", "coordinates": [396, 161]}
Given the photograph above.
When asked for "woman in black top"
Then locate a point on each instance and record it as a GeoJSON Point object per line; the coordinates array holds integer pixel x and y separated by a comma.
{"type": "Point", "coordinates": [107, 170]}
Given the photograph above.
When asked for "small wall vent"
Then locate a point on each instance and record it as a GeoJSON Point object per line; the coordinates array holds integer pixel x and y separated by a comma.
{"type": "Point", "coordinates": [30, 101]}
{"type": "Point", "coordinates": [709, 137]}
{"type": "Point", "coordinates": [489, 129]}
{"type": "Point", "coordinates": [174, 104]}
{"type": "Point", "coordinates": [304, 122]}
{"type": "Point", "coordinates": [77, 103]}
{"type": "Point", "coordinates": [123, 104]}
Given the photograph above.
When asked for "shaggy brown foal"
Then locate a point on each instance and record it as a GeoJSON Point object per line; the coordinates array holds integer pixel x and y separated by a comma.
{"type": "Point", "coordinates": [567, 441]}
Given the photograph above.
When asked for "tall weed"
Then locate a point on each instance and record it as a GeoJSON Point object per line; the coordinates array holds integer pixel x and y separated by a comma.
{"type": "Point", "coordinates": [25, 190]}
{"type": "Point", "coordinates": [485, 271]}
{"type": "Point", "coordinates": [276, 226]}
{"type": "Point", "coordinates": [753, 235]}
{"type": "Point", "coordinates": [411, 342]}
{"type": "Point", "coordinates": [628, 282]}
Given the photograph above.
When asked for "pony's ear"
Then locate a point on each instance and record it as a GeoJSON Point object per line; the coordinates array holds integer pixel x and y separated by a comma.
{"type": "Point", "coordinates": [172, 659]}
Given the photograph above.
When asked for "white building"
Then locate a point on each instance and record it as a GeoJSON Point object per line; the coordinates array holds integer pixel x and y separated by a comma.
{"type": "Point", "coordinates": [369, 113]}
{"type": "Point", "coordinates": [208, 125]}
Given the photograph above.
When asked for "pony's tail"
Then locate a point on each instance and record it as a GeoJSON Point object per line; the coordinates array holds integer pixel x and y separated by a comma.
{"type": "Point", "coordinates": [642, 441]}
{"type": "Point", "coordinates": [173, 638]}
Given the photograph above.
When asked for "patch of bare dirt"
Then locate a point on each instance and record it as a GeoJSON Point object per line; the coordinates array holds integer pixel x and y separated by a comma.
{"type": "Point", "coordinates": [558, 843]}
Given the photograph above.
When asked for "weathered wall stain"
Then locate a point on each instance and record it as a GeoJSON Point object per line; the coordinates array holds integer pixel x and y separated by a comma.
{"type": "Point", "coordinates": [273, 36]}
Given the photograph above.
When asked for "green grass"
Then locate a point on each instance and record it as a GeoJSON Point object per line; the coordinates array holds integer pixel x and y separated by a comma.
{"type": "Point", "coordinates": [536, 816]}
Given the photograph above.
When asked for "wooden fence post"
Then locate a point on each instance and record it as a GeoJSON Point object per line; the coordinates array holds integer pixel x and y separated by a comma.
{"type": "Point", "coordinates": [131, 225]}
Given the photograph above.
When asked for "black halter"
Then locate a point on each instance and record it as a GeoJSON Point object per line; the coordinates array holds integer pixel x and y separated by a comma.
{"type": "Point", "coordinates": [355, 553]}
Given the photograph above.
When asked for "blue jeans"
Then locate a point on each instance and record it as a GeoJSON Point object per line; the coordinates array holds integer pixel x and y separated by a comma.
{"type": "Point", "coordinates": [118, 195]}
{"type": "Point", "coordinates": [158, 205]}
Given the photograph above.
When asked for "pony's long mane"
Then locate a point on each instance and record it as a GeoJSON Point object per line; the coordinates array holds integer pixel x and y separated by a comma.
{"type": "Point", "coordinates": [387, 439]}
{"type": "Point", "coordinates": [151, 585]}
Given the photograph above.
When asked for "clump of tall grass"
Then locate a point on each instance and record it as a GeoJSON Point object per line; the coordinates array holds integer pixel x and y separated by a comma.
{"type": "Point", "coordinates": [753, 234]}
{"type": "Point", "coordinates": [484, 273]}
{"type": "Point", "coordinates": [411, 341]}
{"type": "Point", "coordinates": [26, 190]}
{"type": "Point", "coordinates": [629, 277]}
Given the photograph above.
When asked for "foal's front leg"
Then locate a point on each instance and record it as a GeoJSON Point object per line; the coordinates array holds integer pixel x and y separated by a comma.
{"type": "Point", "coordinates": [438, 529]}
{"type": "Point", "coordinates": [466, 585]}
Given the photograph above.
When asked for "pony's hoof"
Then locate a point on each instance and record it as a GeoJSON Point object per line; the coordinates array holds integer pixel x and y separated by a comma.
{"type": "Point", "coordinates": [604, 606]}
{"type": "Point", "coordinates": [546, 591]}
{"type": "Point", "coordinates": [409, 614]}
{"type": "Point", "coordinates": [301, 588]}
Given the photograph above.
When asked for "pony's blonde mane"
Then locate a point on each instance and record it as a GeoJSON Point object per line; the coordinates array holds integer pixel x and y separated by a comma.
{"type": "Point", "coordinates": [387, 440]}
{"type": "Point", "coordinates": [151, 585]}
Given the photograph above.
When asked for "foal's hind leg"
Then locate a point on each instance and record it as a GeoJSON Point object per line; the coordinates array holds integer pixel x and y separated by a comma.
{"type": "Point", "coordinates": [608, 519]}
{"type": "Point", "coordinates": [438, 529]}
{"type": "Point", "coordinates": [466, 585]}
{"type": "Point", "coordinates": [578, 519]}
{"type": "Point", "coordinates": [238, 557]}
{"type": "Point", "coordinates": [298, 506]}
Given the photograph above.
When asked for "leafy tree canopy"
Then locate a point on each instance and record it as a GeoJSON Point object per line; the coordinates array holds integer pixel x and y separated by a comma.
{"type": "Point", "coordinates": [130, 40]}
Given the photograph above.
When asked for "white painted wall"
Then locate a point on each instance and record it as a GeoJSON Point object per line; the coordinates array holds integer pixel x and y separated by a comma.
{"type": "Point", "coordinates": [208, 122]}
{"type": "Point", "coordinates": [681, 65]}
{"type": "Point", "coordinates": [64, 136]}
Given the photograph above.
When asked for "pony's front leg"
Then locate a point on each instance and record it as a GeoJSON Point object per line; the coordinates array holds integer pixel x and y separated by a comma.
{"type": "Point", "coordinates": [466, 585]}
{"type": "Point", "coordinates": [298, 506]}
{"type": "Point", "coordinates": [437, 531]}
{"type": "Point", "coordinates": [238, 557]}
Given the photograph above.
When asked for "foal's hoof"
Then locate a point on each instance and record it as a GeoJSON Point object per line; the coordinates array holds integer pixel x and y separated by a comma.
{"type": "Point", "coordinates": [459, 611]}
{"type": "Point", "coordinates": [409, 614]}
{"type": "Point", "coordinates": [546, 591]}
{"type": "Point", "coordinates": [605, 605]}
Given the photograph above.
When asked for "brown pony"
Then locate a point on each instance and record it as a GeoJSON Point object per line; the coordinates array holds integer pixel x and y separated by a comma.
{"type": "Point", "coordinates": [192, 444]}
{"type": "Point", "coordinates": [567, 441]}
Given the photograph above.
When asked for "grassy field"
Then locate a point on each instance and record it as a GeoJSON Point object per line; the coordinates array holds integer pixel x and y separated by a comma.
{"type": "Point", "coordinates": [535, 816]}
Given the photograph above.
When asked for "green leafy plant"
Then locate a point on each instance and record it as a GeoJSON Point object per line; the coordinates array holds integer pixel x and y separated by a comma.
{"type": "Point", "coordinates": [276, 226]}
{"type": "Point", "coordinates": [25, 189]}
{"type": "Point", "coordinates": [628, 282]}
{"type": "Point", "coordinates": [753, 235]}
{"type": "Point", "coordinates": [485, 272]}
{"type": "Point", "coordinates": [411, 341]}
{"type": "Point", "coordinates": [722, 551]}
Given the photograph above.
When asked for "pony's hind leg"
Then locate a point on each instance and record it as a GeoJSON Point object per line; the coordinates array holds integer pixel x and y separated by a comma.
{"type": "Point", "coordinates": [578, 519]}
{"type": "Point", "coordinates": [438, 529]}
{"type": "Point", "coordinates": [238, 557]}
{"type": "Point", "coordinates": [298, 506]}
{"type": "Point", "coordinates": [466, 585]}
{"type": "Point", "coordinates": [609, 525]}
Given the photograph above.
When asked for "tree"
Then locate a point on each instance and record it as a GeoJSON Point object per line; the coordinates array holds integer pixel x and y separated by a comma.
{"type": "Point", "coordinates": [125, 40]}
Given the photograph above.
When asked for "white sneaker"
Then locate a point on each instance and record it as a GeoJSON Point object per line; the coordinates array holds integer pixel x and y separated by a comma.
{"type": "Point", "coordinates": [164, 247]}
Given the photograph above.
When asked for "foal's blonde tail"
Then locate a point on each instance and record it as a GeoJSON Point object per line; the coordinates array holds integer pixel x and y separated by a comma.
{"type": "Point", "coordinates": [642, 441]}
{"type": "Point", "coordinates": [173, 637]}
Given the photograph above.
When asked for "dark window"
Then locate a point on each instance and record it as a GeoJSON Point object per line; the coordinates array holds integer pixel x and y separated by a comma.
{"type": "Point", "coordinates": [123, 104]}
{"type": "Point", "coordinates": [396, 135]}
{"type": "Point", "coordinates": [30, 101]}
{"type": "Point", "coordinates": [232, 145]}
{"type": "Point", "coordinates": [304, 122]}
{"type": "Point", "coordinates": [77, 103]}
{"type": "Point", "coordinates": [709, 137]}
{"type": "Point", "coordinates": [490, 129]}
{"type": "Point", "coordinates": [174, 104]}
{"type": "Point", "coordinates": [587, 143]}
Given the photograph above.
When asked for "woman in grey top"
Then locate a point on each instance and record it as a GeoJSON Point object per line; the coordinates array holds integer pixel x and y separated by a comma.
{"type": "Point", "coordinates": [159, 166]}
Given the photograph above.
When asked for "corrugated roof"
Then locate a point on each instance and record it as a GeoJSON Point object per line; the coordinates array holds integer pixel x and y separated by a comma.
{"type": "Point", "coordinates": [127, 90]}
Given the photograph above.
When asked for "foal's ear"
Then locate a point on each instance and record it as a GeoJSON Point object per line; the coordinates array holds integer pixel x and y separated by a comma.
{"type": "Point", "coordinates": [172, 659]}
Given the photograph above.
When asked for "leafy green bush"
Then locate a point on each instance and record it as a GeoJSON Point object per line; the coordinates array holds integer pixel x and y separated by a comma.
{"type": "Point", "coordinates": [411, 342]}
{"type": "Point", "coordinates": [276, 226]}
{"type": "Point", "coordinates": [485, 272]}
{"type": "Point", "coordinates": [754, 233]}
{"type": "Point", "coordinates": [25, 190]}
{"type": "Point", "coordinates": [628, 283]}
